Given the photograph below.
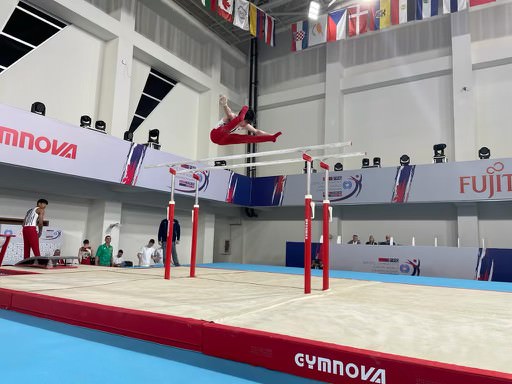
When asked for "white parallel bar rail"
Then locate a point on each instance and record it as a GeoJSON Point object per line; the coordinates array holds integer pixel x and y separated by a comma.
{"type": "Point", "coordinates": [257, 154]}
{"type": "Point", "coordinates": [272, 162]}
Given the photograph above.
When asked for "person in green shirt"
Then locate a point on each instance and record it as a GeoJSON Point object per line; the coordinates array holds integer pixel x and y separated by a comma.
{"type": "Point", "coordinates": [104, 253]}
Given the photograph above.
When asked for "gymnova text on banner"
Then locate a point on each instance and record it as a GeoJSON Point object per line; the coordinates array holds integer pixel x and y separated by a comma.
{"type": "Point", "coordinates": [336, 367]}
{"type": "Point", "coordinates": [42, 144]}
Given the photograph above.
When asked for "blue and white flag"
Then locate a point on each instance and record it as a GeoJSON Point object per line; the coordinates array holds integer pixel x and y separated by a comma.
{"type": "Point", "coordinates": [451, 6]}
{"type": "Point", "coordinates": [426, 9]}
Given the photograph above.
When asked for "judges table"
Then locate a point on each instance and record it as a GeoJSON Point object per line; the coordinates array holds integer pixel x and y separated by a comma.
{"type": "Point", "coordinates": [463, 263]}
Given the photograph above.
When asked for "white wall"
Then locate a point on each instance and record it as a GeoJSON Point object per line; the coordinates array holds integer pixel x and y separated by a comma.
{"type": "Point", "coordinates": [139, 75]}
{"type": "Point", "coordinates": [495, 221]}
{"type": "Point", "coordinates": [405, 118]}
{"type": "Point", "coordinates": [139, 224]}
{"type": "Point", "coordinates": [265, 241]}
{"type": "Point", "coordinates": [423, 222]}
{"type": "Point", "coordinates": [301, 124]}
{"type": "Point", "coordinates": [493, 92]}
{"type": "Point", "coordinates": [63, 73]}
{"type": "Point", "coordinates": [176, 116]}
{"type": "Point", "coordinates": [6, 8]}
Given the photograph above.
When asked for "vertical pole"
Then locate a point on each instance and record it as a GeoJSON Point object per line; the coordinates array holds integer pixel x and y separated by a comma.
{"type": "Point", "coordinates": [170, 227]}
{"type": "Point", "coordinates": [307, 226]}
{"type": "Point", "coordinates": [195, 219]}
{"type": "Point", "coordinates": [326, 219]}
{"type": "Point", "coordinates": [4, 247]}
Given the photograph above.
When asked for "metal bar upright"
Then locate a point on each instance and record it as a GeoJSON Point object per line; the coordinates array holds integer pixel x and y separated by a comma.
{"type": "Point", "coordinates": [327, 218]}
{"type": "Point", "coordinates": [195, 219]}
{"type": "Point", "coordinates": [307, 225]}
{"type": "Point", "coordinates": [170, 227]}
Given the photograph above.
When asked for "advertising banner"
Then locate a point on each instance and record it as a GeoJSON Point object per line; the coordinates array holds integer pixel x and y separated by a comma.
{"type": "Point", "coordinates": [488, 264]}
{"type": "Point", "coordinates": [446, 182]}
{"type": "Point", "coordinates": [35, 141]}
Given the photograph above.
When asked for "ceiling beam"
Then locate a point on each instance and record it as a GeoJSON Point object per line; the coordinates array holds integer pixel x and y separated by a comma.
{"type": "Point", "coordinates": [274, 4]}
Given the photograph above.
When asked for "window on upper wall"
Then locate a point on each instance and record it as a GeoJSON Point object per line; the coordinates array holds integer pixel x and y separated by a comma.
{"type": "Point", "coordinates": [26, 29]}
{"type": "Point", "coordinates": [157, 87]}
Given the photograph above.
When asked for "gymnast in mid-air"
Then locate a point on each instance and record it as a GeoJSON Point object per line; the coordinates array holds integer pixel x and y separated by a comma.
{"type": "Point", "coordinates": [226, 132]}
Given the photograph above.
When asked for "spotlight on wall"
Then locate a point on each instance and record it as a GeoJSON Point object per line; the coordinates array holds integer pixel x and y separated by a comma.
{"type": "Point", "coordinates": [85, 121]}
{"type": "Point", "coordinates": [314, 10]}
{"type": "Point", "coordinates": [484, 153]}
{"type": "Point", "coordinates": [439, 156]}
{"type": "Point", "coordinates": [128, 136]}
{"type": "Point", "coordinates": [100, 126]}
{"type": "Point", "coordinates": [405, 160]}
{"type": "Point", "coordinates": [38, 108]}
{"type": "Point", "coordinates": [154, 139]}
{"type": "Point", "coordinates": [338, 167]}
{"type": "Point", "coordinates": [220, 163]}
{"type": "Point", "coordinates": [376, 162]}
{"type": "Point", "coordinates": [365, 163]}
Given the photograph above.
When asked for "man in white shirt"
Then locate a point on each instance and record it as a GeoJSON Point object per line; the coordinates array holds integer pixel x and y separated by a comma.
{"type": "Point", "coordinates": [118, 260]}
{"type": "Point", "coordinates": [146, 253]}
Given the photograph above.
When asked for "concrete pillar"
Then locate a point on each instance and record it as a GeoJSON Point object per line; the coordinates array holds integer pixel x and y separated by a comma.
{"type": "Point", "coordinates": [464, 124]}
{"type": "Point", "coordinates": [467, 225]}
{"type": "Point", "coordinates": [333, 125]}
{"type": "Point", "coordinates": [114, 100]}
{"type": "Point", "coordinates": [209, 107]}
{"type": "Point", "coordinates": [207, 231]}
{"type": "Point", "coordinates": [101, 221]}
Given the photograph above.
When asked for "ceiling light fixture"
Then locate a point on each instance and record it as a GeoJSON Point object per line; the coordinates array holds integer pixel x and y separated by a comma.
{"type": "Point", "coordinates": [314, 10]}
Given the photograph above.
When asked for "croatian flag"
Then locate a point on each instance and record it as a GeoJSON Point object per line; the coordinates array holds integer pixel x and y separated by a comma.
{"type": "Point", "coordinates": [337, 25]}
{"type": "Point", "coordinates": [426, 9]}
{"type": "Point", "coordinates": [299, 35]}
{"type": "Point", "coordinates": [451, 6]}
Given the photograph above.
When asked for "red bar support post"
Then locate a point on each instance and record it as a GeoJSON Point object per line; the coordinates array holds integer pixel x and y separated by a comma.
{"type": "Point", "coordinates": [307, 225]}
{"type": "Point", "coordinates": [327, 218]}
{"type": "Point", "coordinates": [195, 219]}
{"type": "Point", "coordinates": [5, 245]}
{"type": "Point", "coordinates": [170, 227]}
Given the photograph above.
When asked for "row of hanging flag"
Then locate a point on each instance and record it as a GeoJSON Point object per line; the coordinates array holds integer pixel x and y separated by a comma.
{"type": "Point", "coordinates": [246, 16]}
{"type": "Point", "coordinates": [370, 16]}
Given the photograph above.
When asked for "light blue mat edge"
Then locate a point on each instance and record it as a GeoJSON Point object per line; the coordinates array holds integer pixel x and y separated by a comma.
{"type": "Point", "coordinates": [384, 278]}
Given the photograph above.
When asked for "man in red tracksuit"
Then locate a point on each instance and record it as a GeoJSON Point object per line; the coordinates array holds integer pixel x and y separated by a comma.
{"type": "Point", "coordinates": [32, 228]}
{"type": "Point", "coordinates": [225, 132]}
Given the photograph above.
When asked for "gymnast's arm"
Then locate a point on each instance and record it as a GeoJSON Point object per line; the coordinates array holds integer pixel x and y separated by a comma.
{"type": "Point", "coordinates": [223, 101]}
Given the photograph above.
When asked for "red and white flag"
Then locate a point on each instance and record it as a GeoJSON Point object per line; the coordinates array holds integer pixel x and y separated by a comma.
{"type": "Point", "coordinates": [269, 30]}
{"type": "Point", "coordinates": [225, 9]}
{"type": "Point", "coordinates": [337, 25]}
{"type": "Point", "coordinates": [300, 35]}
{"type": "Point", "coordinates": [357, 20]}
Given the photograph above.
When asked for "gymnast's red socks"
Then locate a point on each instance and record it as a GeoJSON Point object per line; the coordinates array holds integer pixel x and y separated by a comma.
{"type": "Point", "coordinates": [275, 136]}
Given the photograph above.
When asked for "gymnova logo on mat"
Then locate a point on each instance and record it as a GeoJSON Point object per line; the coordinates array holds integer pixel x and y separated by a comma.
{"type": "Point", "coordinates": [42, 144]}
{"type": "Point", "coordinates": [336, 367]}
